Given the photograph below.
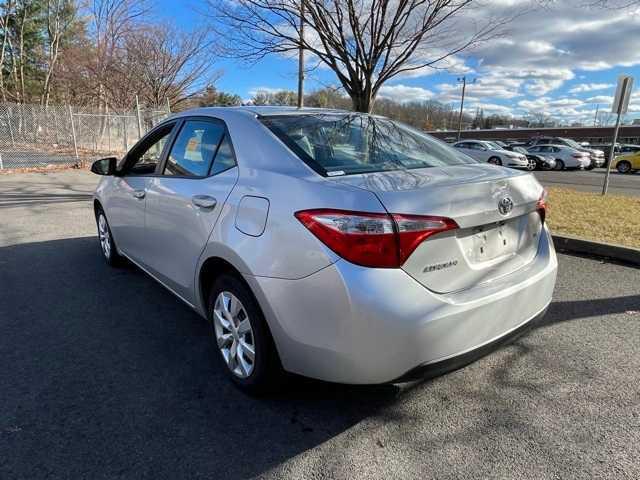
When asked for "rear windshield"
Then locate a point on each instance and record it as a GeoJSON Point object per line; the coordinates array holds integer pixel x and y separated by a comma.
{"type": "Point", "coordinates": [343, 144]}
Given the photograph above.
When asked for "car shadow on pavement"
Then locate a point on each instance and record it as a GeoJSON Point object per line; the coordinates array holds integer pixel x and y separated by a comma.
{"type": "Point", "coordinates": [108, 375]}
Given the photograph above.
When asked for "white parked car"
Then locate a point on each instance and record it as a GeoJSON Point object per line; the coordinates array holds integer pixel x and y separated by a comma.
{"type": "Point", "coordinates": [566, 157]}
{"type": "Point", "coordinates": [490, 152]}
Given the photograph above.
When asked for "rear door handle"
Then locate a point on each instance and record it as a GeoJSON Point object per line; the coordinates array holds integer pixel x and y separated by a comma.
{"type": "Point", "coordinates": [204, 201]}
{"type": "Point", "coordinates": [139, 194]}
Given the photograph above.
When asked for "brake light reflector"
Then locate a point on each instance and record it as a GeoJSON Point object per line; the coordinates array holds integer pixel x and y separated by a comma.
{"type": "Point", "coordinates": [372, 239]}
{"type": "Point", "coordinates": [542, 206]}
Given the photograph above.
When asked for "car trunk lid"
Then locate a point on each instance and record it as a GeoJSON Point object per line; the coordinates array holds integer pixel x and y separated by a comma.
{"type": "Point", "coordinates": [490, 242]}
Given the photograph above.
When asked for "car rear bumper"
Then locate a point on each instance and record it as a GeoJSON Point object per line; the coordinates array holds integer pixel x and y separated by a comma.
{"type": "Point", "coordinates": [516, 163]}
{"type": "Point", "coordinates": [434, 369]}
{"type": "Point", "coordinates": [351, 324]}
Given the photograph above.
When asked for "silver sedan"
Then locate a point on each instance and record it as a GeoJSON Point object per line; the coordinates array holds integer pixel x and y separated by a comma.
{"type": "Point", "coordinates": [335, 245]}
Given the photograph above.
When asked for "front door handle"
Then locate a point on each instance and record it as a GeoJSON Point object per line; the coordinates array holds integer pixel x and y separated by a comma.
{"type": "Point", "coordinates": [204, 201]}
{"type": "Point", "coordinates": [139, 194]}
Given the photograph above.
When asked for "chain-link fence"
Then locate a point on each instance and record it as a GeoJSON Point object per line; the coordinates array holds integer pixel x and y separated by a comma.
{"type": "Point", "coordinates": [38, 136]}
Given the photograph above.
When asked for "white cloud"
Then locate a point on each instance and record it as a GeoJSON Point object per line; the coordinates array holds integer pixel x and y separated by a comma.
{"type": "Point", "coordinates": [403, 93]}
{"type": "Point", "coordinates": [591, 87]}
{"type": "Point", "coordinates": [267, 90]}
{"type": "Point", "coordinates": [600, 99]}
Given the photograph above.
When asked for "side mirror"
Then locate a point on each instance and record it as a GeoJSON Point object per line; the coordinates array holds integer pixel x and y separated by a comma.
{"type": "Point", "coordinates": [104, 166]}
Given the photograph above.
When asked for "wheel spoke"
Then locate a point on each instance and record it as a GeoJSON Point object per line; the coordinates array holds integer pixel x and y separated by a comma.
{"type": "Point", "coordinates": [248, 350]}
{"type": "Point", "coordinates": [221, 319]}
{"type": "Point", "coordinates": [234, 306]}
{"type": "Point", "coordinates": [225, 340]}
{"type": "Point", "coordinates": [244, 327]}
{"type": "Point", "coordinates": [245, 367]}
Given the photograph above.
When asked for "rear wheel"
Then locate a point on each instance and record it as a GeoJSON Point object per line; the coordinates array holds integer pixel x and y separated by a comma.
{"type": "Point", "coordinates": [107, 245]}
{"type": "Point", "coordinates": [623, 167]}
{"type": "Point", "coordinates": [495, 160]}
{"type": "Point", "coordinates": [242, 337]}
{"type": "Point", "coordinates": [559, 164]}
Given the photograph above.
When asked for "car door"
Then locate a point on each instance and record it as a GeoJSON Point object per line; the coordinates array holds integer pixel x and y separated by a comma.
{"type": "Point", "coordinates": [479, 151]}
{"type": "Point", "coordinates": [125, 204]}
{"type": "Point", "coordinates": [185, 200]}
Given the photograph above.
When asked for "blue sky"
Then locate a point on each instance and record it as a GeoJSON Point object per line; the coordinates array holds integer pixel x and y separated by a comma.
{"type": "Point", "coordinates": [562, 60]}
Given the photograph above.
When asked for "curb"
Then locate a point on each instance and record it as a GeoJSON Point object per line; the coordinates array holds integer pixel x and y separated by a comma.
{"type": "Point", "coordinates": [567, 243]}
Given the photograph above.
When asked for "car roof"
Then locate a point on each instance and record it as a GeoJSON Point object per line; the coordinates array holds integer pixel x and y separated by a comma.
{"type": "Point", "coordinates": [250, 110]}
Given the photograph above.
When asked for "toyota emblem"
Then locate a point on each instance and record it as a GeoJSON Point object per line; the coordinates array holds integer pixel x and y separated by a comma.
{"type": "Point", "coordinates": [505, 205]}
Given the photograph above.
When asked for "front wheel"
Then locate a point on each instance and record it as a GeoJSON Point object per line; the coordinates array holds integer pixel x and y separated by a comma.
{"type": "Point", "coordinates": [242, 337]}
{"type": "Point", "coordinates": [623, 167]}
{"type": "Point", "coordinates": [531, 164]}
{"type": "Point", "coordinates": [495, 161]}
{"type": "Point", "coordinates": [559, 165]}
{"type": "Point", "coordinates": [107, 245]}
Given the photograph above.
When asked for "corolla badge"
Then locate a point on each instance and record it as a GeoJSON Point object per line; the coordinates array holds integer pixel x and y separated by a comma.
{"type": "Point", "coordinates": [505, 205]}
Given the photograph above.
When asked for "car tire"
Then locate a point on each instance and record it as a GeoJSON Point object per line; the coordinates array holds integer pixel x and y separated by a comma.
{"type": "Point", "coordinates": [559, 164]}
{"type": "Point", "coordinates": [495, 161]}
{"type": "Point", "coordinates": [105, 238]}
{"type": "Point", "coordinates": [531, 164]}
{"type": "Point", "coordinates": [246, 350]}
{"type": "Point", "coordinates": [623, 167]}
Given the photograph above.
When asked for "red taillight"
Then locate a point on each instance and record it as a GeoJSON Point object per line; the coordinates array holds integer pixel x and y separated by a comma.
{"type": "Point", "coordinates": [372, 239]}
{"type": "Point", "coordinates": [541, 206]}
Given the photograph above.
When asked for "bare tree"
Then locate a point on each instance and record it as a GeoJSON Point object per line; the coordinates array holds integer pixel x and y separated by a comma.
{"type": "Point", "coordinates": [365, 42]}
{"type": "Point", "coordinates": [60, 16]}
{"type": "Point", "coordinates": [112, 21]}
{"type": "Point", "coordinates": [168, 64]}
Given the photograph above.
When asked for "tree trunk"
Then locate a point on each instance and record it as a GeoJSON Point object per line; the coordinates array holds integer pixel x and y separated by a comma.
{"type": "Point", "coordinates": [362, 102]}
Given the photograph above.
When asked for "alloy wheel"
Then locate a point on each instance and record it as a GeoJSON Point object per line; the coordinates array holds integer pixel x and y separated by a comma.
{"type": "Point", "coordinates": [531, 165]}
{"type": "Point", "coordinates": [234, 334]}
{"type": "Point", "coordinates": [103, 235]}
{"type": "Point", "coordinates": [623, 167]}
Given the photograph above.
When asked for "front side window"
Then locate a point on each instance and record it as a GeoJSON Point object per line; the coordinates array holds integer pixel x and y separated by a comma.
{"type": "Point", "coordinates": [144, 158]}
{"type": "Point", "coordinates": [194, 148]}
{"type": "Point", "coordinates": [343, 144]}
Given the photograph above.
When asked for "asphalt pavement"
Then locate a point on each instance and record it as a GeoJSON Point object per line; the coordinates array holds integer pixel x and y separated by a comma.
{"type": "Point", "coordinates": [104, 374]}
{"type": "Point", "coordinates": [591, 181]}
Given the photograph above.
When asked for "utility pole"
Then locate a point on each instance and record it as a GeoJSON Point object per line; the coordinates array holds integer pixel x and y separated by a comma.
{"type": "Point", "coordinates": [595, 118]}
{"type": "Point", "coordinates": [462, 80]}
{"type": "Point", "coordinates": [301, 58]}
{"type": "Point", "coordinates": [620, 104]}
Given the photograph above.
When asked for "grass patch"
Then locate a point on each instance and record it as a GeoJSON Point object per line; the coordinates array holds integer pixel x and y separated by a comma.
{"type": "Point", "coordinates": [611, 219]}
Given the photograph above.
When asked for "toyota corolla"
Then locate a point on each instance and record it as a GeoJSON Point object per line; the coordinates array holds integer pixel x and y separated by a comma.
{"type": "Point", "coordinates": [335, 245]}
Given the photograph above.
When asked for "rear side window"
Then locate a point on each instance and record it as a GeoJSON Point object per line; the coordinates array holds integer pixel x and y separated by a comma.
{"type": "Point", "coordinates": [193, 151]}
{"type": "Point", "coordinates": [225, 158]}
{"type": "Point", "coordinates": [342, 144]}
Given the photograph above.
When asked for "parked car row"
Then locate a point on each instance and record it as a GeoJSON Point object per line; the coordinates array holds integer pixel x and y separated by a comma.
{"type": "Point", "coordinates": [596, 156]}
{"type": "Point", "coordinates": [540, 155]}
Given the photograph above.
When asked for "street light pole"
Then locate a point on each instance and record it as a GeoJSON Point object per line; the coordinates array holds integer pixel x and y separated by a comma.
{"type": "Point", "coordinates": [301, 58]}
{"type": "Point", "coordinates": [464, 87]}
{"type": "Point", "coordinates": [462, 80]}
